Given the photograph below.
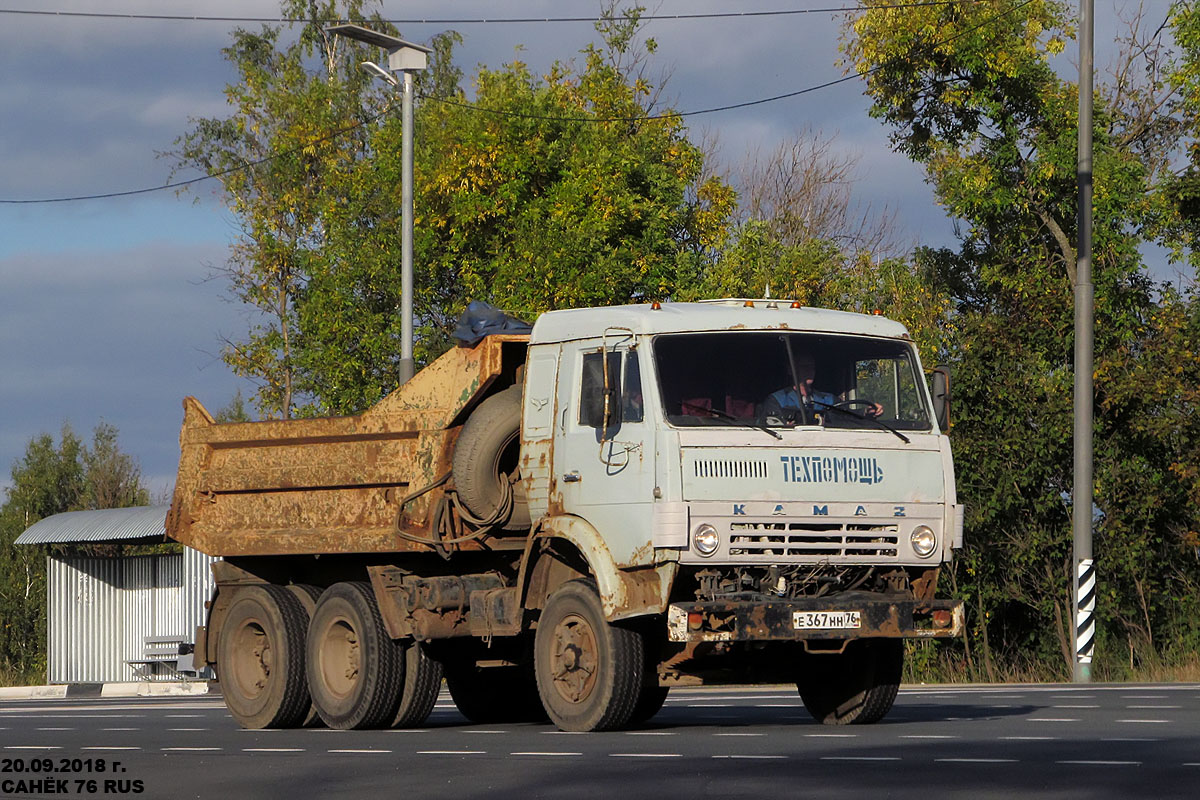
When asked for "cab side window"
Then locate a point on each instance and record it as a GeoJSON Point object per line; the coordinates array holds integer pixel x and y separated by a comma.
{"type": "Point", "coordinates": [591, 397]}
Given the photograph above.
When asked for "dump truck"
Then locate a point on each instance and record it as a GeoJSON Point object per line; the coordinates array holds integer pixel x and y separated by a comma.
{"type": "Point", "coordinates": [569, 522]}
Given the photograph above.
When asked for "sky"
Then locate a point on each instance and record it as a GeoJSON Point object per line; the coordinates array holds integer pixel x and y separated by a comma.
{"type": "Point", "coordinates": [109, 311]}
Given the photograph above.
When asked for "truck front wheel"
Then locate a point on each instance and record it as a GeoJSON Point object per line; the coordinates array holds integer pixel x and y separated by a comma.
{"type": "Point", "coordinates": [260, 658]}
{"type": "Point", "coordinates": [589, 671]}
{"type": "Point", "coordinates": [855, 687]}
{"type": "Point", "coordinates": [355, 670]}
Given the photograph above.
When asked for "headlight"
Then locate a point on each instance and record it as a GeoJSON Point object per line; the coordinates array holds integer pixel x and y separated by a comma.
{"type": "Point", "coordinates": [924, 541]}
{"type": "Point", "coordinates": [706, 540]}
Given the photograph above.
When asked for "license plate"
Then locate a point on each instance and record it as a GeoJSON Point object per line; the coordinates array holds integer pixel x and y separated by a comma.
{"type": "Point", "coordinates": [826, 620]}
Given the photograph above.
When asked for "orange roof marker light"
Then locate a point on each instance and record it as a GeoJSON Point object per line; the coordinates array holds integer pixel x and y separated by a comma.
{"type": "Point", "coordinates": [796, 304]}
{"type": "Point", "coordinates": [748, 304]}
{"type": "Point", "coordinates": [877, 313]}
{"type": "Point", "coordinates": [655, 306]}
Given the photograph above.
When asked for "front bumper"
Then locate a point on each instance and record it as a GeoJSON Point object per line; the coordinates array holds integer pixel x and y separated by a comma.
{"type": "Point", "coordinates": [848, 615]}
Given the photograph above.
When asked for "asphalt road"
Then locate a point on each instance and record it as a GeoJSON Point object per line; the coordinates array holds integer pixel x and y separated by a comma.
{"type": "Point", "coordinates": [1064, 741]}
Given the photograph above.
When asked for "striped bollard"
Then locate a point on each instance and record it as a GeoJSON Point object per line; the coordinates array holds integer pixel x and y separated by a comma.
{"type": "Point", "coordinates": [1085, 616]}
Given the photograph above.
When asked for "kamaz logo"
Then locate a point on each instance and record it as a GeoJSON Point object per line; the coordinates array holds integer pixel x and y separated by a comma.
{"type": "Point", "coordinates": [827, 469]}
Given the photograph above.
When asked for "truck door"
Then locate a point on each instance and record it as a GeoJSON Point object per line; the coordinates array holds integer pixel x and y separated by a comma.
{"type": "Point", "coordinates": [604, 474]}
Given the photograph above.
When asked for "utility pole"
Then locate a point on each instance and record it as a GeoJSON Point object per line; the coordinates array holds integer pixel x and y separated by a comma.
{"type": "Point", "coordinates": [1084, 593]}
{"type": "Point", "coordinates": [403, 57]}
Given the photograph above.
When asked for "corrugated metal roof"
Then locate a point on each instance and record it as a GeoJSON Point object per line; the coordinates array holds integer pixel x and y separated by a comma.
{"type": "Point", "coordinates": [140, 522]}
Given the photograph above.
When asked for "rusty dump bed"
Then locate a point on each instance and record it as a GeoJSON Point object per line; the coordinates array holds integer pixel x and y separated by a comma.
{"type": "Point", "coordinates": [332, 484]}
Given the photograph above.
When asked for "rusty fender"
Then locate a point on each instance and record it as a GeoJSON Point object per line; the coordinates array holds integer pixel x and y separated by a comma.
{"type": "Point", "coordinates": [767, 618]}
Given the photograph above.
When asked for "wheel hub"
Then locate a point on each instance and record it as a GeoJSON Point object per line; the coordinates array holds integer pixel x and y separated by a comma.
{"type": "Point", "coordinates": [574, 660]}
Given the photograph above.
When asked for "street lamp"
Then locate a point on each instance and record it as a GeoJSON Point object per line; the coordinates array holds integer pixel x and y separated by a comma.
{"type": "Point", "coordinates": [404, 57]}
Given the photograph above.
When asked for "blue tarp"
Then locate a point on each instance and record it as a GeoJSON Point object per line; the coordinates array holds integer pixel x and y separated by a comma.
{"type": "Point", "coordinates": [481, 319]}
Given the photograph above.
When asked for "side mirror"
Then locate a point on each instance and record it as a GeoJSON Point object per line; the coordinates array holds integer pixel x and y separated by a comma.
{"type": "Point", "coordinates": [941, 396]}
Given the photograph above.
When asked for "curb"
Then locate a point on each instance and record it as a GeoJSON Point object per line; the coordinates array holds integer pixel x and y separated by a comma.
{"type": "Point", "coordinates": [139, 689]}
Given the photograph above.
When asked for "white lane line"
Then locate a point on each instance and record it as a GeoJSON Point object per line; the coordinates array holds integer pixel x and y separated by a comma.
{"type": "Point", "coordinates": [484, 731]}
{"type": "Point", "coordinates": [649, 733]}
{"type": "Point", "coordinates": [1130, 739]}
{"type": "Point", "coordinates": [191, 749]}
{"type": "Point", "coordinates": [1072, 697]}
{"type": "Point", "coordinates": [1103, 763]}
{"type": "Point", "coordinates": [108, 747]}
{"type": "Point", "coordinates": [31, 747]}
{"type": "Point", "coordinates": [739, 734]}
{"type": "Point", "coordinates": [120, 729]}
{"type": "Point", "coordinates": [273, 750]}
{"type": "Point", "coordinates": [451, 752]}
{"type": "Point", "coordinates": [645, 755]}
{"type": "Point", "coordinates": [1051, 719]}
{"type": "Point", "coordinates": [927, 736]}
{"type": "Point", "coordinates": [979, 760]}
{"type": "Point", "coordinates": [187, 729]}
{"type": "Point", "coordinates": [544, 753]}
{"type": "Point", "coordinates": [1143, 697]}
{"type": "Point", "coordinates": [1146, 721]}
{"type": "Point", "coordinates": [365, 750]}
{"type": "Point", "coordinates": [55, 729]}
{"type": "Point", "coordinates": [860, 758]}
{"type": "Point", "coordinates": [1163, 707]}
{"type": "Point", "coordinates": [182, 716]}
{"type": "Point", "coordinates": [1076, 706]}
{"type": "Point", "coordinates": [408, 730]}
{"type": "Point", "coordinates": [1191, 763]}
{"type": "Point", "coordinates": [1029, 738]}
{"type": "Point", "coordinates": [751, 758]}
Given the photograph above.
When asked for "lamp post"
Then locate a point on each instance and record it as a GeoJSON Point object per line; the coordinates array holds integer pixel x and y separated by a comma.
{"type": "Point", "coordinates": [403, 57]}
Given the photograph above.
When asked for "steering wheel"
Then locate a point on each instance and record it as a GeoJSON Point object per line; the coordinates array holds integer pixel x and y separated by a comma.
{"type": "Point", "coordinates": [848, 404]}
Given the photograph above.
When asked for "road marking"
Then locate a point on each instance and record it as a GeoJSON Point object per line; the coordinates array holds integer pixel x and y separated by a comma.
{"type": "Point", "coordinates": [31, 747]}
{"type": "Point", "coordinates": [273, 750]}
{"type": "Point", "coordinates": [545, 753]}
{"type": "Point", "coordinates": [1092, 706]}
{"type": "Point", "coordinates": [408, 730]}
{"type": "Point", "coordinates": [1030, 738]}
{"type": "Point", "coordinates": [979, 760]}
{"type": "Point", "coordinates": [182, 716]}
{"type": "Point", "coordinates": [1171, 707]}
{"type": "Point", "coordinates": [120, 729]}
{"type": "Point", "coordinates": [739, 734]}
{"type": "Point", "coordinates": [649, 733]}
{"type": "Point", "coordinates": [192, 749]}
{"type": "Point", "coordinates": [777, 705]}
{"type": "Point", "coordinates": [1130, 739]}
{"type": "Point", "coordinates": [1146, 721]}
{"type": "Point", "coordinates": [187, 729]}
{"type": "Point", "coordinates": [451, 752]}
{"type": "Point", "coordinates": [1073, 697]}
{"type": "Point", "coordinates": [56, 729]}
{"type": "Point", "coordinates": [107, 747]}
{"type": "Point", "coordinates": [749, 758]}
{"type": "Point", "coordinates": [1103, 763]}
{"type": "Point", "coordinates": [1143, 697]}
{"type": "Point", "coordinates": [359, 750]}
{"type": "Point", "coordinates": [927, 736]}
{"type": "Point", "coordinates": [645, 755]}
{"type": "Point", "coordinates": [1051, 719]}
{"type": "Point", "coordinates": [860, 758]}
{"type": "Point", "coordinates": [483, 731]}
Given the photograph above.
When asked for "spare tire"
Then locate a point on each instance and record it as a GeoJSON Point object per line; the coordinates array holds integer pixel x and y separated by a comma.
{"type": "Point", "coordinates": [487, 456]}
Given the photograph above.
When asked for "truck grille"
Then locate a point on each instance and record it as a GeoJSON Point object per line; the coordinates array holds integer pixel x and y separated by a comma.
{"type": "Point", "coordinates": [730, 468]}
{"type": "Point", "coordinates": [808, 541]}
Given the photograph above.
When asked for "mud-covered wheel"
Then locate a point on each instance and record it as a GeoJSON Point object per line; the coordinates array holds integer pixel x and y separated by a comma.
{"type": "Point", "coordinates": [355, 670]}
{"type": "Point", "coordinates": [260, 658]}
{"type": "Point", "coordinates": [855, 687]}
{"type": "Point", "coordinates": [495, 694]}
{"type": "Point", "coordinates": [589, 671]}
{"type": "Point", "coordinates": [308, 595]}
{"type": "Point", "coordinates": [487, 456]}
{"type": "Point", "coordinates": [422, 682]}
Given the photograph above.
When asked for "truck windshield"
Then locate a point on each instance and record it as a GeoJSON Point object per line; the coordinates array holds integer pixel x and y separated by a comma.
{"type": "Point", "coordinates": [789, 379]}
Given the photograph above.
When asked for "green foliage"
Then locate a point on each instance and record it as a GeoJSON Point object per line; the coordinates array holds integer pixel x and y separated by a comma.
{"type": "Point", "coordinates": [51, 479]}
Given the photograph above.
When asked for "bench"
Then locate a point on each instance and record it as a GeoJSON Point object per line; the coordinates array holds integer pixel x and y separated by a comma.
{"type": "Point", "coordinates": [164, 650]}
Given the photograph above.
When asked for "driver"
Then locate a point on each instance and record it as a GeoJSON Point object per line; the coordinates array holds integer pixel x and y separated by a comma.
{"type": "Point", "coordinates": [782, 406]}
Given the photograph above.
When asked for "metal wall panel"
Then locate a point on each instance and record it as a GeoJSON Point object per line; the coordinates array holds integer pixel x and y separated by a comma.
{"type": "Point", "coordinates": [100, 610]}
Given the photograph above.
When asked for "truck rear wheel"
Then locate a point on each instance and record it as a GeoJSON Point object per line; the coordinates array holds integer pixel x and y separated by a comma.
{"type": "Point", "coordinates": [422, 682]}
{"type": "Point", "coordinates": [855, 687]}
{"type": "Point", "coordinates": [260, 658]}
{"type": "Point", "coordinates": [589, 671]}
{"type": "Point", "coordinates": [487, 455]}
{"type": "Point", "coordinates": [355, 670]}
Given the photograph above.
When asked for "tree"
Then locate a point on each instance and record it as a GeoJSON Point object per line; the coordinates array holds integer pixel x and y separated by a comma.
{"type": "Point", "coordinates": [969, 92]}
{"type": "Point", "coordinates": [51, 479]}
